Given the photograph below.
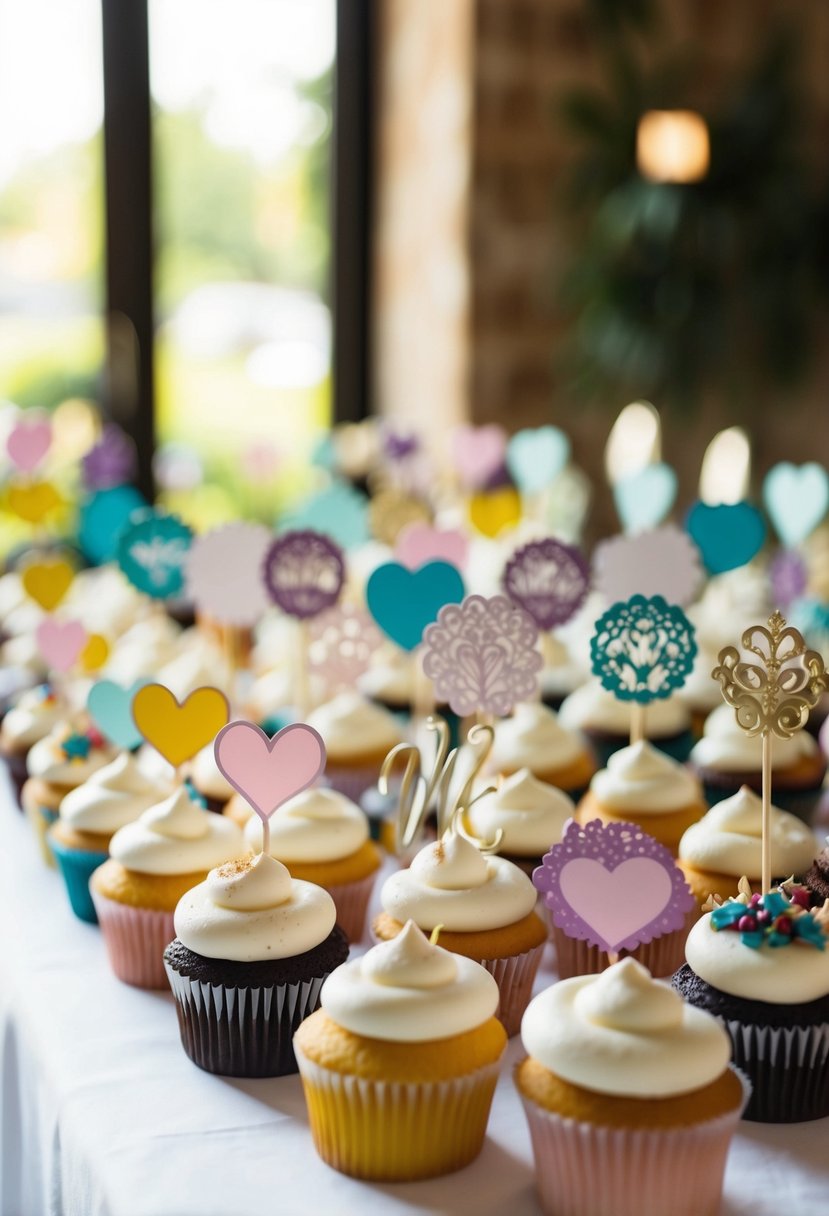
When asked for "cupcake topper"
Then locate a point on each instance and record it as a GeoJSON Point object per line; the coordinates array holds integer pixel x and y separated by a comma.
{"type": "Point", "coordinates": [728, 535]}
{"type": "Point", "coordinates": [642, 651]}
{"type": "Point", "coordinates": [151, 552]}
{"type": "Point", "coordinates": [29, 441]}
{"type": "Point", "coordinates": [420, 542]}
{"type": "Point", "coordinates": [797, 499]}
{"type": "Point", "coordinates": [612, 886]}
{"type": "Point", "coordinates": [179, 730]}
{"type": "Point", "coordinates": [771, 683]}
{"type": "Point", "coordinates": [109, 705]}
{"type": "Point", "coordinates": [549, 580]}
{"type": "Point", "coordinates": [223, 573]}
{"type": "Point", "coordinates": [341, 644]}
{"type": "Point", "coordinates": [664, 562]}
{"type": "Point", "coordinates": [644, 498]}
{"type": "Point", "coordinates": [403, 602]}
{"type": "Point", "coordinates": [47, 581]}
{"type": "Point", "coordinates": [112, 461]}
{"type": "Point", "coordinates": [392, 509]}
{"type": "Point", "coordinates": [788, 577]}
{"type": "Point", "coordinates": [60, 642]}
{"type": "Point", "coordinates": [267, 772]}
{"type": "Point", "coordinates": [478, 454]}
{"type": "Point", "coordinates": [482, 656]}
{"type": "Point", "coordinates": [535, 457]}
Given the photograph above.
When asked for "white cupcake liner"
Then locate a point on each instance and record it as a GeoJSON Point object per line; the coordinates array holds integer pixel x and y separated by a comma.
{"type": "Point", "coordinates": [351, 901]}
{"type": "Point", "coordinates": [788, 1067]}
{"type": "Point", "coordinates": [135, 939]}
{"type": "Point", "coordinates": [242, 1032]}
{"type": "Point", "coordinates": [586, 1170]}
{"type": "Point", "coordinates": [391, 1131]}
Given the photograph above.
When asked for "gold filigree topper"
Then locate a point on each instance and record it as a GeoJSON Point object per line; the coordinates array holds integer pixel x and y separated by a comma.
{"type": "Point", "coordinates": [774, 694]}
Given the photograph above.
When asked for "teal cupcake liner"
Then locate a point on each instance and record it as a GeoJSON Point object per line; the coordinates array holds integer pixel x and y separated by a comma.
{"type": "Point", "coordinates": [77, 867]}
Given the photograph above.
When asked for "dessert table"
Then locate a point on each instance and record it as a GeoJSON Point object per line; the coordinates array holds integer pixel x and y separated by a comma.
{"type": "Point", "coordinates": [103, 1114]}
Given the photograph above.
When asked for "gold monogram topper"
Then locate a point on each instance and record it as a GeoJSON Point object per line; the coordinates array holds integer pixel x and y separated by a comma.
{"type": "Point", "coordinates": [771, 684]}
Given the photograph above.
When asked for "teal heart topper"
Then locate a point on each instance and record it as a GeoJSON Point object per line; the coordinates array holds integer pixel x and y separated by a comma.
{"type": "Point", "coordinates": [645, 498]}
{"type": "Point", "coordinates": [403, 602]}
{"type": "Point", "coordinates": [110, 707]}
{"type": "Point", "coordinates": [727, 536]}
{"type": "Point", "coordinates": [536, 457]}
{"type": "Point", "coordinates": [339, 512]}
{"type": "Point", "coordinates": [103, 516]}
{"type": "Point", "coordinates": [151, 552]}
{"type": "Point", "coordinates": [796, 498]}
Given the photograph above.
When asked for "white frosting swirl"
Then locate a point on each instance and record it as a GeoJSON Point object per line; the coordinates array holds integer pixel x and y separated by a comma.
{"type": "Point", "coordinates": [624, 1033]}
{"type": "Point", "coordinates": [699, 691]}
{"type": "Point", "coordinates": [778, 975]}
{"type": "Point", "coordinates": [728, 839]}
{"type": "Point", "coordinates": [177, 837]}
{"type": "Point", "coordinates": [207, 777]}
{"type": "Point", "coordinates": [533, 738]}
{"type": "Point", "coordinates": [351, 725]}
{"type": "Point", "coordinates": [393, 680]}
{"type": "Point", "coordinates": [112, 797]}
{"type": "Point", "coordinates": [530, 813]}
{"type": "Point", "coordinates": [33, 716]}
{"type": "Point", "coordinates": [252, 910]}
{"type": "Point", "coordinates": [198, 662]}
{"type": "Point", "coordinates": [592, 707]}
{"type": "Point", "coordinates": [726, 747]}
{"type": "Point", "coordinates": [316, 825]}
{"type": "Point", "coordinates": [640, 778]}
{"type": "Point", "coordinates": [48, 761]}
{"type": "Point", "coordinates": [143, 649]}
{"type": "Point", "coordinates": [409, 991]}
{"type": "Point", "coordinates": [451, 883]}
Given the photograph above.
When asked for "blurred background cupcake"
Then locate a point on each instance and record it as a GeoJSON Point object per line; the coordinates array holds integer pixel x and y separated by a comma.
{"type": "Point", "coordinates": [32, 716]}
{"type": "Point", "coordinates": [58, 764]}
{"type": "Point", "coordinates": [529, 814]}
{"type": "Point", "coordinates": [534, 738]}
{"type": "Point", "coordinates": [605, 722]}
{"type": "Point", "coordinates": [357, 735]}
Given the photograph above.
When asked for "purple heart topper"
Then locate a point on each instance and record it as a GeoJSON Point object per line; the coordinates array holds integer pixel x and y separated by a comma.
{"type": "Point", "coordinates": [304, 573]}
{"type": "Point", "coordinates": [612, 886]}
{"type": "Point", "coordinates": [112, 461]}
{"type": "Point", "coordinates": [481, 655]}
{"type": "Point", "coordinates": [549, 580]}
{"type": "Point", "coordinates": [478, 454]}
{"type": "Point", "coordinates": [29, 441]}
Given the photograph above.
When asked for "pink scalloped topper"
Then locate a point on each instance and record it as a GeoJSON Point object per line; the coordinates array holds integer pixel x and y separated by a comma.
{"type": "Point", "coordinates": [60, 642]}
{"type": "Point", "coordinates": [481, 655]}
{"type": "Point", "coordinates": [342, 641]}
{"type": "Point", "coordinates": [663, 562]}
{"type": "Point", "coordinates": [549, 580]}
{"type": "Point", "coordinates": [612, 886]}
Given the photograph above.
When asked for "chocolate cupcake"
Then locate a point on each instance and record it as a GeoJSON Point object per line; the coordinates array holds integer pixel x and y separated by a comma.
{"type": "Point", "coordinates": [605, 722]}
{"type": "Point", "coordinates": [816, 879]}
{"type": "Point", "coordinates": [252, 950]}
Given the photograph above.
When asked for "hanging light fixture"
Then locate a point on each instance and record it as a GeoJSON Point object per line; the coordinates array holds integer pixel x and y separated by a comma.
{"type": "Point", "coordinates": [673, 146]}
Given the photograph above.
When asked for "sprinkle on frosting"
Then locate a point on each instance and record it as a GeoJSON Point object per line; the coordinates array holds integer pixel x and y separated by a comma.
{"type": "Point", "coordinates": [778, 918]}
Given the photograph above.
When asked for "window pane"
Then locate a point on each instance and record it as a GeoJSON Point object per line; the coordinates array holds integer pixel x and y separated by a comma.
{"type": "Point", "coordinates": [242, 123]}
{"type": "Point", "coordinates": [51, 200]}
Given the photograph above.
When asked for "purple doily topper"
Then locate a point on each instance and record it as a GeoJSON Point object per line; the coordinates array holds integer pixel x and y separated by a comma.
{"type": "Point", "coordinates": [304, 573]}
{"type": "Point", "coordinates": [111, 461]}
{"type": "Point", "coordinates": [481, 655]}
{"type": "Point", "coordinates": [612, 886]}
{"type": "Point", "coordinates": [788, 577]}
{"type": "Point", "coordinates": [549, 580]}
{"type": "Point", "coordinates": [343, 640]}
{"type": "Point", "coordinates": [643, 649]}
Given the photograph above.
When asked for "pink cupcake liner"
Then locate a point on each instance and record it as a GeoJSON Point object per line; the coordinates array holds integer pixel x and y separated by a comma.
{"type": "Point", "coordinates": [135, 939]}
{"type": "Point", "coordinates": [515, 977]}
{"type": "Point", "coordinates": [586, 1170]}
{"type": "Point", "coordinates": [662, 956]}
{"type": "Point", "coordinates": [352, 780]}
{"type": "Point", "coordinates": [351, 901]}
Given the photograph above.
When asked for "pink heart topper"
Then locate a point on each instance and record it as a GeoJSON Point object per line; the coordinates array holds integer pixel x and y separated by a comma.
{"type": "Point", "coordinates": [419, 543]}
{"type": "Point", "coordinates": [28, 442]}
{"type": "Point", "coordinates": [267, 772]}
{"type": "Point", "coordinates": [60, 642]}
{"type": "Point", "coordinates": [478, 452]}
{"type": "Point", "coordinates": [613, 886]}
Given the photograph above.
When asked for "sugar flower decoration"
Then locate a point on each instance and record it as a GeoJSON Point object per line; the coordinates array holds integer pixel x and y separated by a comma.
{"type": "Point", "coordinates": [779, 918]}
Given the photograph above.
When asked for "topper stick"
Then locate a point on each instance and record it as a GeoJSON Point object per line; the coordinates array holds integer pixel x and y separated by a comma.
{"type": "Point", "coordinates": [423, 699]}
{"type": "Point", "coordinates": [766, 814]}
{"type": "Point", "coordinates": [302, 689]}
{"type": "Point", "coordinates": [637, 722]}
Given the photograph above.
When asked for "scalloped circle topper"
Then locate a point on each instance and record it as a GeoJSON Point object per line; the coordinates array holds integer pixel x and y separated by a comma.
{"type": "Point", "coordinates": [796, 498]}
{"type": "Point", "coordinates": [223, 573]}
{"type": "Point", "coordinates": [644, 498]}
{"type": "Point", "coordinates": [267, 772]}
{"type": "Point", "coordinates": [664, 562]}
{"type": "Point", "coordinates": [403, 602]}
{"type": "Point", "coordinates": [151, 552]}
{"type": "Point", "coordinates": [304, 573]}
{"type": "Point", "coordinates": [728, 536]}
{"type": "Point", "coordinates": [549, 580]}
{"type": "Point", "coordinates": [178, 731]}
{"type": "Point", "coordinates": [536, 457]}
{"type": "Point", "coordinates": [643, 649]}
{"type": "Point", "coordinates": [110, 707]}
{"type": "Point", "coordinates": [613, 886]}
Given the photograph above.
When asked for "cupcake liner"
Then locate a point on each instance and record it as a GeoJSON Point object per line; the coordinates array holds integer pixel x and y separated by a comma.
{"type": "Point", "coordinates": [77, 867]}
{"type": "Point", "coordinates": [242, 1032]}
{"type": "Point", "coordinates": [41, 819]}
{"type": "Point", "coordinates": [387, 1131]}
{"type": "Point", "coordinates": [515, 977]}
{"type": "Point", "coordinates": [135, 939]}
{"type": "Point", "coordinates": [18, 772]}
{"type": "Point", "coordinates": [586, 1170]}
{"type": "Point", "coordinates": [788, 1067]}
{"type": "Point", "coordinates": [352, 780]}
{"type": "Point", "coordinates": [351, 901]}
{"type": "Point", "coordinates": [662, 956]}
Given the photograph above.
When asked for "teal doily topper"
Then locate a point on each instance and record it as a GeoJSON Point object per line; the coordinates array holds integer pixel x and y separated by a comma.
{"type": "Point", "coordinates": [151, 552]}
{"type": "Point", "coordinates": [643, 649]}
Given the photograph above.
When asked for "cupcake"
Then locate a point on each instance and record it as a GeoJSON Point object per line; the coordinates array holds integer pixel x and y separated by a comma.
{"type": "Point", "coordinates": [89, 816]}
{"type": "Point", "coordinates": [534, 738]}
{"type": "Point", "coordinates": [726, 758]}
{"type": "Point", "coordinates": [485, 907]}
{"type": "Point", "coordinates": [700, 693]}
{"type": "Point", "coordinates": [252, 949]}
{"type": "Point", "coordinates": [761, 965]}
{"type": "Point", "coordinates": [400, 1063]}
{"type": "Point", "coordinates": [726, 844]}
{"type": "Point", "coordinates": [605, 722]}
{"type": "Point", "coordinates": [208, 782]}
{"type": "Point", "coordinates": [153, 862]}
{"type": "Point", "coordinates": [816, 878]}
{"type": "Point", "coordinates": [322, 837]}
{"type": "Point", "coordinates": [561, 673]}
{"type": "Point", "coordinates": [529, 814]}
{"type": "Point", "coordinates": [629, 1097]}
{"type": "Point", "coordinates": [143, 649]}
{"type": "Point", "coordinates": [57, 764]}
{"type": "Point", "coordinates": [35, 713]}
{"type": "Point", "coordinates": [390, 682]}
{"type": "Point", "coordinates": [644, 786]}
{"type": "Point", "coordinates": [357, 736]}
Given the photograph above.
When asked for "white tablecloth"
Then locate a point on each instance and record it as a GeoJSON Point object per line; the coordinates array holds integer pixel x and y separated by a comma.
{"type": "Point", "coordinates": [103, 1114]}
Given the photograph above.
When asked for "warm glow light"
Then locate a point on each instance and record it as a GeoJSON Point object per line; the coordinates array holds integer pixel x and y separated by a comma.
{"type": "Point", "coordinates": [672, 146]}
{"type": "Point", "coordinates": [634, 441]}
{"type": "Point", "coordinates": [726, 468]}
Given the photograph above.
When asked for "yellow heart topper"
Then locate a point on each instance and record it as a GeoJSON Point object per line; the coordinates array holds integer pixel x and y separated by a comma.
{"type": "Point", "coordinates": [33, 501]}
{"type": "Point", "coordinates": [179, 730]}
{"type": "Point", "coordinates": [94, 654]}
{"type": "Point", "coordinates": [47, 582]}
{"type": "Point", "coordinates": [491, 512]}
